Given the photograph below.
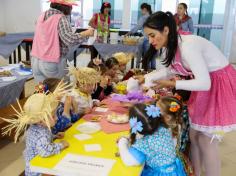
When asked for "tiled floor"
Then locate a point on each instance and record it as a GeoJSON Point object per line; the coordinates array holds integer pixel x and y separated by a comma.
{"type": "Point", "coordinates": [12, 163]}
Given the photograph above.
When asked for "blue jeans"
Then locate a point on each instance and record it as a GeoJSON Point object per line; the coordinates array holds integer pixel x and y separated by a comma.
{"type": "Point", "coordinates": [142, 49]}
{"type": "Point", "coordinates": [43, 70]}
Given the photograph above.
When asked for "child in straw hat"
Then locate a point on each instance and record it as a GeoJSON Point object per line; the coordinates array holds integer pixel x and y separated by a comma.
{"type": "Point", "coordinates": [80, 98]}
{"type": "Point", "coordinates": [108, 72]}
{"type": "Point", "coordinates": [123, 60]}
{"type": "Point", "coordinates": [63, 122]}
{"type": "Point", "coordinates": [38, 114]}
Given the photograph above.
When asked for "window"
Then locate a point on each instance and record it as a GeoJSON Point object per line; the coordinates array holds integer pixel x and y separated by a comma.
{"type": "Point", "coordinates": [89, 7]}
{"type": "Point", "coordinates": [169, 5]}
{"type": "Point", "coordinates": [136, 11]}
{"type": "Point", "coordinates": [76, 15]}
{"type": "Point", "coordinates": [45, 5]}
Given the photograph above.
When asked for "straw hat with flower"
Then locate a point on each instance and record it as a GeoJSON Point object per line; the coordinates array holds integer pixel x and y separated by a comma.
{"type": "Point", "coordinates": [38, 108]}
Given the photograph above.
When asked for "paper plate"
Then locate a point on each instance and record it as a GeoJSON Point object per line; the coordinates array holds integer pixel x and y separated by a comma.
{"type": "Point", "coordinates": [89, 127]}
{"type": "Point", "coordinates": [10, 78]}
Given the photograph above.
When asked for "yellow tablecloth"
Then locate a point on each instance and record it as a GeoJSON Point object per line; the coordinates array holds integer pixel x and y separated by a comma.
{"type": "Point", "coordinates": [109, 148]}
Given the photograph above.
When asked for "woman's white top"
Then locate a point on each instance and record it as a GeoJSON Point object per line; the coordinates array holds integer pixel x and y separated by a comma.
{"type": "Point", "coordinates": [199, 56]}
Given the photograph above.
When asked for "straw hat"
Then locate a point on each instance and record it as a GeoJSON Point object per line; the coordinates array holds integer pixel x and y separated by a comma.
{"type": "Point", "coordinates": [65, 2]}
{"type": "Point", "coordinates": [37, 108]}
{"type": "Point", "coordinates": [123, 58]}
{"type": "Point", "coordinates": [85, 75]}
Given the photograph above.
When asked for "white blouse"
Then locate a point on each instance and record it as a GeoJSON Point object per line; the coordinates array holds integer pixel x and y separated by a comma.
{"type": "Point", "coordinates": [199, 56]}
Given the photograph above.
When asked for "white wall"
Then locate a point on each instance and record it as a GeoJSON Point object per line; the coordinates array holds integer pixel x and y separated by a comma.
{"type": "Point", "coordinates": [21, 15]}
{"type": "Point", "coordinates": [2, 15]}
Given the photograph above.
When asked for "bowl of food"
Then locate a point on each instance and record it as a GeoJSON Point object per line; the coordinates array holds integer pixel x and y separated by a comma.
{"type": "Point", "coordinates": [118, 118]}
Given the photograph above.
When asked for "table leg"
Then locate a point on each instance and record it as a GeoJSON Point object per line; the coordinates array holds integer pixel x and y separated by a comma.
{"type": "Point", "coordinates": [14, 54]}
{"type": "Point", "coordinates": [19, 53]}
{"type": "Point", "coordinates": [10, 60]}
{"type": "Point", "coordinates": [27, 48]}
{"type": "Point", "coordinates": [132, 63]}
{"type": "Point", "coordinates": [75, 58]}
{"type": "Point", "coordinates": [22, 95]}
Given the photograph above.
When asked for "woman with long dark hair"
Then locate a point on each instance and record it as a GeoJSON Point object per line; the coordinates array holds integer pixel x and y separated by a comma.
{"type": "Point", "coordinates": [52, 39]}
{"type": "Point", "coordinates": [212, 102]}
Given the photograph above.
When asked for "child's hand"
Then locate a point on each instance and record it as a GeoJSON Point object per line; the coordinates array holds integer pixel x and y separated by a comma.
{"type": "Point", "coordinates": [115, 79]}
{"type": "Point", "coordinates": [123, 138]}
{"type": "Point", "coordinates": [65, 144]}
{"type": "Point", "coordinates": [67, 105]}
{"type": "Point", "coordinates": [60, 135]}
{"type": "Point", "coordinates": [96, 103]}
{"type": "Point", "coordinates": [104, 81]}
{"type": "Point", "coordinates": [87, 110]}
{"type": "Point", "coordinates": [75, 107]}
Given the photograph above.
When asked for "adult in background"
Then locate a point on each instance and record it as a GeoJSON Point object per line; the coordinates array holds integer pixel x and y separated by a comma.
{"type": "Point", "coordinates": [52, 39]}
{"type": "Point", "coordinates": [183, 21]}
{"type": "Point", "coordinates": [146, 11]}
{"type": "Point", "coordinates": [101, 21]}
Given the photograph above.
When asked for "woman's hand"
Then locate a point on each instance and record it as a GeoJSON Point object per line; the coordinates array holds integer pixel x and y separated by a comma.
{"type": "Point", "coordinates": [140, 79]}
{"type": "Point", "coordinates": [88, 33]}
{"type": "Point", "coordinates": [164, 83]}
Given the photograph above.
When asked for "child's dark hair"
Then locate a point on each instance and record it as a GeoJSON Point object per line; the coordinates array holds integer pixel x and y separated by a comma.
{"type": "Point", "coordinates": [111, 62]}
{"type": "Point", "coordinates": [166, 106]}
{"type": "Point", "coordinates": [100, 68]}
{"type": "Point", "coordinates": [158, 21]}
{"type": "Point", "coordinates": [105, 5]}
{"type": "Point", "coordinates": [66, 10]}
{"type": "Point", "coordinates": [51, 83]}
{"type": "Point", "coordinates": [150, 125]}
{"type": "Point", "coordinates": [176, 116]}
{"type": "Point", "coordinates": [185, 7]}
{"type": "Point", "coordinates": [146, 6]}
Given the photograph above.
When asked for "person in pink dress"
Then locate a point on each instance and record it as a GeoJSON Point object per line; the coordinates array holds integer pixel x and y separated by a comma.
{"type": "Point", "coordinates": [213, 86]}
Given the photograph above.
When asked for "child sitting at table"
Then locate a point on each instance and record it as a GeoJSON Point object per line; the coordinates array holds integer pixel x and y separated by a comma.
{"type": "Point", "coordinates": [155, 148]}
{"type": "Point", "coordinates": [112, 66]}
{"type": "Point", "coordinates": [63, 122]}
{"type": "Point", "coordinates": [80, 97]}
{"type": "Point", "coordinates": [123, 60]}
{"type": "Point", "coordinates": [108, 78]}
{"type": "Point", "coordinates": [38, 115]}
